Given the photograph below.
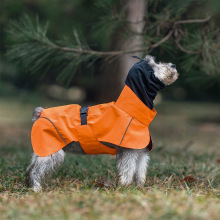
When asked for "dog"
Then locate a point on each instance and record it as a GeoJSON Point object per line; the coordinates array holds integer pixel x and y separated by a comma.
{"type": "Point", "coordinates": [119, 128]}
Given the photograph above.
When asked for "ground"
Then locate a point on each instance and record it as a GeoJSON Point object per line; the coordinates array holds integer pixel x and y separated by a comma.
{"type": "Point", "coordinates": [183, 178]}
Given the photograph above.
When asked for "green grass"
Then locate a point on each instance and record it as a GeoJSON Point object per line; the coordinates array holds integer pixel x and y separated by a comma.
{"type": "Point", "coordinates": [183, 177]}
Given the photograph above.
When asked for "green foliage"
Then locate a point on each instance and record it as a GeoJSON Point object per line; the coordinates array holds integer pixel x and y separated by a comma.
{"type": "Point", "coordinates": [194, 45]}
{"type": "Point", "coordinates": [37, 53]}
{"type": "Point", "coordinates": [109, 21]}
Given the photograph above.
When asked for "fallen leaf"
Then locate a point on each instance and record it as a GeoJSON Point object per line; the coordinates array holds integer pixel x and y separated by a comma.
{"type": "Point", "coordinates": [188, 179]}
{"type": "Point", "coordinates": [103, 183]}
{"type": "Point", "coordinates": [218, 160]}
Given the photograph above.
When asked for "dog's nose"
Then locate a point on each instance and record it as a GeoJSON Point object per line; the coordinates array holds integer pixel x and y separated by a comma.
{"type": "Point", "coordinates": [173, 66]}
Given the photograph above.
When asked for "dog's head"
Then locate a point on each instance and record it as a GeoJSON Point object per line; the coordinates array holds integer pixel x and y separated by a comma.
{"type": "Point", "coordinates": [165, 72]}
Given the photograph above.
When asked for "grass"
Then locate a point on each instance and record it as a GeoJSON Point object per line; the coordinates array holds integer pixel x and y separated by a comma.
{"type": "Point", "coordinates": [183, 177]}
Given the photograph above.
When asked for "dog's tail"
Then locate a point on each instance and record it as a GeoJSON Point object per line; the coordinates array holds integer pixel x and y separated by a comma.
{"type": "Point", "coordinates": [36, 113]}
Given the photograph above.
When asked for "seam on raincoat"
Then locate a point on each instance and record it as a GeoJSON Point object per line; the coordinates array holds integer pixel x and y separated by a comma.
{"type": "Point", "coordinates": [125, 131]}
{"type": "Point", "coordinates": [56, 129]}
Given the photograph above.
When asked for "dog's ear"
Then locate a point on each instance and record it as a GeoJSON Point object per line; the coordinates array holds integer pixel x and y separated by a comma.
{"type": "Point", "coordinates": [150, 60]}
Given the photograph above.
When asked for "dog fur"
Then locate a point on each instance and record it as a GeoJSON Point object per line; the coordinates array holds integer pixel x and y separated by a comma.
{"type": "Point", "coordinates": [131, 164]}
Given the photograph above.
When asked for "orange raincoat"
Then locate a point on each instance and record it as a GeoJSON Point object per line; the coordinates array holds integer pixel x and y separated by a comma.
{"type": "Point", "coordinates": [123, 123]}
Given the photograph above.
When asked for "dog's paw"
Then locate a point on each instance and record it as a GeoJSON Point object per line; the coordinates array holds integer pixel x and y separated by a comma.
{"type": "Point", "coordinates": [140, 183]}
{"type": "Point", "coordinates": [125, 181]}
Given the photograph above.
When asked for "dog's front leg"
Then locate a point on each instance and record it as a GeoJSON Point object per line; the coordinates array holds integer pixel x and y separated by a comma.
{"type": "Point", "coordinates": [126, 162]}
{"type": "Point", "coordinates": [142, 164]}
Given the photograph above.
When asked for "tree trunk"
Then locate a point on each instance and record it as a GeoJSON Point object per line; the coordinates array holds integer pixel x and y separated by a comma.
{"type": "Point", "coordinates": [114, 73]}
{"type": "Point", "coordinates": [136, 10]}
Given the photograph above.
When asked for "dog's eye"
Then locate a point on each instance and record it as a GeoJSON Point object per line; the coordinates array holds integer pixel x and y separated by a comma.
{"type": "Point", "coordinates": [173, 66]}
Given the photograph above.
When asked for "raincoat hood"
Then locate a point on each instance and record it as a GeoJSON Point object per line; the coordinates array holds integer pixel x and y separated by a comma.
{"type": "Point", "coordinates": [142, 81]}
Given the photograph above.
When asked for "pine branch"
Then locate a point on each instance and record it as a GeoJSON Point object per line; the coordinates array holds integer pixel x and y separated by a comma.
{"type": "Point", "coordinates": [99, 53]}
{"type": "Point", "coordinates": [191, 21]}
{"type": "Point", "coordinates": [162, 40]}
{"type": "Point", "coordinates": [185, 50]}
{"type": "Point", "coordinates": [81, 51]}
{"type": "Point", "coordinates": [36, 52]}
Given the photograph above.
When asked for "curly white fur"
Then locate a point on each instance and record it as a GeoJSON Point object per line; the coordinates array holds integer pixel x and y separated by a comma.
{"type": "Point", "coordinates": [165, 72]}
{"type": "Point", "coordinates": [42, 168]}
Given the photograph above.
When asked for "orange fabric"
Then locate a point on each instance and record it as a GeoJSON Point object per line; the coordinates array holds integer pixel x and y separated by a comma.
{"type": "Point", "coordinates": [130, 103]}
{"type": "Point", "coordinates": [124, 123]}
{"type": "Point", "coordinates": [90, 144]}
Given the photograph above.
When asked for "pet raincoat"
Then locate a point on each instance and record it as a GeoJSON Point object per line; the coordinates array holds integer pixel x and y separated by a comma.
{"type": "Point", "coordinates": [100, 128]}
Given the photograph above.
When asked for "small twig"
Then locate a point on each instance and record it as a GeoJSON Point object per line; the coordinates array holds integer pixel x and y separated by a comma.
{"type": "Point", "coordinates": [185, 50]}
{"type": "Point", "coordinates": [193, 21]}
{"type": "Point", "coordinates": [188, 22]}
{"type": "Point", "coordinates": [163, 40]}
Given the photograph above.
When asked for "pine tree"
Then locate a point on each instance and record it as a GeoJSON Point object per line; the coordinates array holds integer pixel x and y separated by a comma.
{"type": "Point", "coordinates": [185, 30]}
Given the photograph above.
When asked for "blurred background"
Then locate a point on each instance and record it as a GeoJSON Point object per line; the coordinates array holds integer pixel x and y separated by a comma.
{"type": "Point", "coordinates": [79, 51]}
{"type": "Point", "coordinates": [108, 25]}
